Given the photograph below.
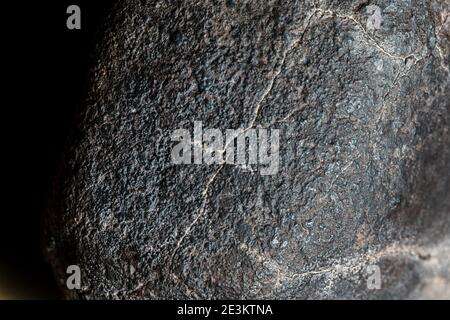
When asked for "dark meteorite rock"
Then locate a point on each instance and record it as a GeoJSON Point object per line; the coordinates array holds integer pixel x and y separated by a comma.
{"type": "Point", "coordinates": [363, 113]}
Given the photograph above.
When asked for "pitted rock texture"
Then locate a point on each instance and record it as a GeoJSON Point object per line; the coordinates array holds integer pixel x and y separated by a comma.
{"type": "Point", "coordinates": [364, 176]}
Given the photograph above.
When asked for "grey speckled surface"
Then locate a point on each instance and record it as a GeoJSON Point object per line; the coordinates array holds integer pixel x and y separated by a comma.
{"type": "Point", "coordinates": [364, 178]}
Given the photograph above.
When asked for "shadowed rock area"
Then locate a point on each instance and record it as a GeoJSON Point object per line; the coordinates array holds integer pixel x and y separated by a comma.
{"type": "Point", "coordinates": [363, 111]}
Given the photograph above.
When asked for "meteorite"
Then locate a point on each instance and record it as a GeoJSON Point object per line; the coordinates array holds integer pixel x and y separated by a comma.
{"type": "Point", "coordinates": [363, 184]}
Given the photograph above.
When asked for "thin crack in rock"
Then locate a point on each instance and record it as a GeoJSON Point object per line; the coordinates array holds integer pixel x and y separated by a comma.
{"type": "Point", "coordinates": [346, 265]}
{"type": "Point", "coordinates": [331, 13]}
{"type": "Point", "coordinates": [198, 216]}
{"type": "Point", "coordinates": [265, 93]}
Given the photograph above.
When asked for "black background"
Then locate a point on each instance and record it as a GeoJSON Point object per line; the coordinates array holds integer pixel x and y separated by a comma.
{"type": "Point", "coordinates": [46, 76]}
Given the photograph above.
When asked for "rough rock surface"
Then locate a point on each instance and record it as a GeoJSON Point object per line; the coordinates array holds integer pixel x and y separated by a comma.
{"type": "Point", "coordinates": [363, 111]}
